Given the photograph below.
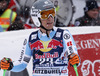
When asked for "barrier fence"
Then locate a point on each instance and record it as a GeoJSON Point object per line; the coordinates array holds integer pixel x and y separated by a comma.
{"type": "Point", "coordinates": [87, 40]}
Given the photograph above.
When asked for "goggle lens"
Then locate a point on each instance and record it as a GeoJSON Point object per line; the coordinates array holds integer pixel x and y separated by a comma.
{"type": "Point", "coordinates": [45, 14]}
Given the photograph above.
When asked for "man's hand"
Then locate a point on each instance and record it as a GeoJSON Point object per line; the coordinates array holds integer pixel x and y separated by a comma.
{"type": "Point", "coordinates": [6, 64]}
{"type": "Point", "coordinates": [73, 59]}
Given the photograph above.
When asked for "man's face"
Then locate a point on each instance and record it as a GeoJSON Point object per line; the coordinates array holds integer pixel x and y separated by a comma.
{"type": "Point", "coordinates": [47, 18]}
{"type": "Point", "coordinates": [93, 13]}
{"type": "Point", "coordinates": [48, 23]}
{"type": "Point", "coordinates": [3, 4]}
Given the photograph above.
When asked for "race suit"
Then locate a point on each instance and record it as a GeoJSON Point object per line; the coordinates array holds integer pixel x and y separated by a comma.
{"type": "Point", "coordinates": [50, 54]}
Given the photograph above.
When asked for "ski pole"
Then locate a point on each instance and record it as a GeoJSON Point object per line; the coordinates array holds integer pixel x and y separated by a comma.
{"type": "Point", "coordinates": [4, 72]}
{"type": "Point", "coordinates": [75, 68]}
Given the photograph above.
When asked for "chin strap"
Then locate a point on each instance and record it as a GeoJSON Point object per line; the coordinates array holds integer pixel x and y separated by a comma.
{"type": "Point", "coordinates": [47, 30]}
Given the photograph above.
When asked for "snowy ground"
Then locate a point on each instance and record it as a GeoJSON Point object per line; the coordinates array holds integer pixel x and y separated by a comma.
{"type": "Point", "coordinates": [11, 42]}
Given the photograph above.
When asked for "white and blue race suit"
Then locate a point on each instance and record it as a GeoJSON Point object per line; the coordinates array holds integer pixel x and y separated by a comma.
{"type": "Point", "coordinates": [50, 54]}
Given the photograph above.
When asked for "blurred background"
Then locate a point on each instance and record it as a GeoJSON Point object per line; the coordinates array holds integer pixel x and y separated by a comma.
{"type": "Point", "coordinates": [67, 12]}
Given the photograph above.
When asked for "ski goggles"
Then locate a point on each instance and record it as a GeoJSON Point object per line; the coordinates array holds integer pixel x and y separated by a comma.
{"type": "Point", "coordinates": [47, 13]}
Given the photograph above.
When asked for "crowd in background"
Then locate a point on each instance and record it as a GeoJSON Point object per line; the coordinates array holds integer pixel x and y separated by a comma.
{"type": "Point", "coordinates": [13, 16]}
{"type": "Point", "coordinates": [91, 15]}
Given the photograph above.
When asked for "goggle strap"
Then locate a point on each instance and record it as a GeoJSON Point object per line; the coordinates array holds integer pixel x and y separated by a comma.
{"type": "Point", "coordinates": [47, 33]}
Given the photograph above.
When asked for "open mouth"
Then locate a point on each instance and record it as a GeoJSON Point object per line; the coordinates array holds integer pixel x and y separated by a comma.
{"type": "Point", "coordinates": [49, 23]}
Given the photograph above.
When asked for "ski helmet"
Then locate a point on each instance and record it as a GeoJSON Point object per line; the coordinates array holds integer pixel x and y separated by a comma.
{"type": "Point", "coordinates": [37, 7]}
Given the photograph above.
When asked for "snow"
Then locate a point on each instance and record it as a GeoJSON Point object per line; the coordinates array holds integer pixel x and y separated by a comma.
{"type": "Point", "coordinates": [11, 42]}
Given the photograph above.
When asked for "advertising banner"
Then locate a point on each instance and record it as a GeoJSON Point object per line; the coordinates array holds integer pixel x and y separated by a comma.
{"type": "Point", "coordinates": [88, 46]}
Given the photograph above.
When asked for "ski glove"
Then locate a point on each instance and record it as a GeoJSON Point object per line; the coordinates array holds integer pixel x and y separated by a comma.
{"type": "Point", "coordinates": [73, 59]}
{"type": "Point", "coordinates": [6, 63]}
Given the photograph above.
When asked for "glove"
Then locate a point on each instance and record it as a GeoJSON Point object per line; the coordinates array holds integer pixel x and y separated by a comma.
{"type": "Point", "coordinates": [6, 63]}
{"type": "Point", "coordinates": [73, 59]}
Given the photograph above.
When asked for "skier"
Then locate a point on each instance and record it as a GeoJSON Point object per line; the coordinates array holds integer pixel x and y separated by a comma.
{"type": "Point", "coordinates": [50, 47]}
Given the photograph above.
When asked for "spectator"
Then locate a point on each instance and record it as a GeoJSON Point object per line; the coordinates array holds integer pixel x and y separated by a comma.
{"type": "Point", "coordinates": [56, 5]}
{"type": "Point", "coordinates": [91, 14]}
{"type": "Point", "coordinates": [7, 16]}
